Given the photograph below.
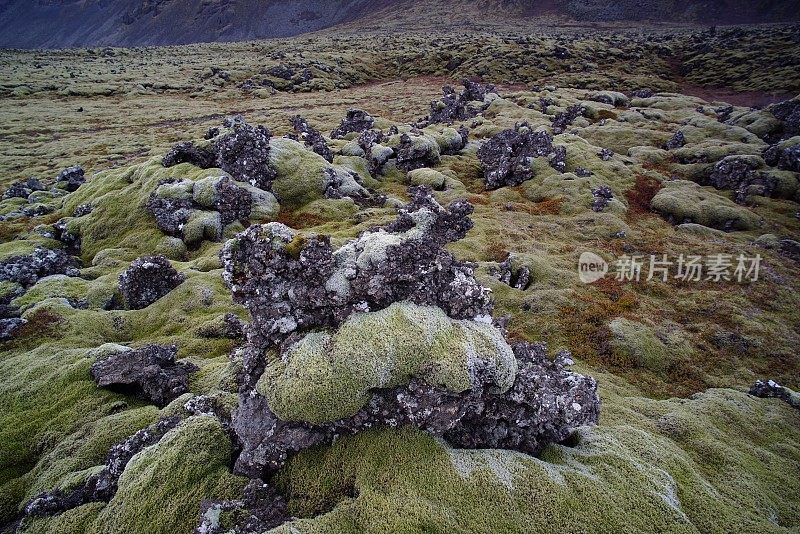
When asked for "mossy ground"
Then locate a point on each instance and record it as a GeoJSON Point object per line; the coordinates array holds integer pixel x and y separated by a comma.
{"type": "Point", "coordinates": [721, 461]}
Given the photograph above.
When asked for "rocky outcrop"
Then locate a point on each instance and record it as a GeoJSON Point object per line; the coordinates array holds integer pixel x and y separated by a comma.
{"type": "Point", "coordinates": [27, 270]}
{"type": "Point", "coordinates": [150, 372]}
{"type": "Point", "coordinates": [23, 189]}
{"type": "Point", "coordinates": [311, 285]}
{"type": "Point", "coordinates": [507, 157]}
{"type": "Point", "coordinates": [417, 151]}
{"type": "Point", "coordinates": [460, 106]}
{"type": "Point", "coordinates": [311, 137]}
{"type": "Point", "coordinates": [783, 157]}
{"type": "Point", "coordinates": [548, 401]}
{"type": "Point", "coordinates": [740, 175]}
{"type": "Point", "coordinates": [243, 153]}
{"type": "Point", "coordinates": [187, 152]}
{"type": "Point", "coordinates": [356, 121]}
{"type": "Point", "coordinates": [771, 389]}
{"type": "Point", "coordinates": [788, 112]}
{"type": "Point", "coordinates": [676, 141]}
{"type": "Point", "coordinates": [323, 317]}
{"type": "Point", "coordinates": [566, 118]}
{"type": "Point", "coordinates": [260, 509]}
{"type": "Point", "coordinates": [148, 279]}
{"type": "Point", "coordinates": [518, 278]}
{"type": "Point", "coordinates": [73, 177]}
{"type": "Point", "coordinates": [601, 196]}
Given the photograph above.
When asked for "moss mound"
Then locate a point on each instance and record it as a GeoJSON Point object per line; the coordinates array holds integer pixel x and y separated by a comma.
{"type": "Point", "coordinates": [325, 377]}
{"type": "Point", "coordinates": [652, 466]}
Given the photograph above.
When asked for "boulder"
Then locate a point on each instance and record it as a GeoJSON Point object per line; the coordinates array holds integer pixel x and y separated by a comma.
{"type": "Point", "coordinates": [73, 177]}
{"type": "Point", "coordinates": [148, 279]}
{"type": "Point", "coordinates": [356, 121]}
{"type": "Point", "coordinates": [150, 372]}
{"type": "Point", "coordinates": [506, 158]}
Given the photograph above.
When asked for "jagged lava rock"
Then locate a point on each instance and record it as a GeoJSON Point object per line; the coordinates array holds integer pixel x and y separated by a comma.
{"type": "Point", "coordinates": [291, 282]}
{"type": "Point", "coordinates": [506, 158]}
{"type": "Point", "coordinates": [150, 372]}
{"type": "Point", "coordinates": [311, 137]}
{"type": "Point", "coordinates": [356, 120]}
{"type": "Point", "coordinates": [27, 270]}
{"type": "Point", "coordinates": [73, 176]}
{"type": "Point", "coordinates": [244, 153]}
{"type": "Point", "coordinates": [148, 279]}
{"type": "Point", "coordinates": [187, 152]}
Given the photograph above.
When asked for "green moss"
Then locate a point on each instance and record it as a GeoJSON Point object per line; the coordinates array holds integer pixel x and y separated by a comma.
{"type": "Point", "coordinates": [337, 210]}
{"type": "Point", "coordinates": [78, 519]}
{"type": "Point", "coordinates": [202, 225]}
{"type": "Point", "coordinates": [265, 206]}
{"type": "Point", "coordinates": [161, 487]}
{"type": "Point", "coordinates": [172, 247]}
{"type": "Point", "coordinates": [638, 343]}
{"type": "Point", "coordinates": [433, 179]}
{"type": "Point", "coordinates": [180, 190]}
{"type": "Point", "coordinates": [686, 201]}
{"type": "Point", "coordinates": [59, 285]}
{"type": "Point", "coordinates": [328, 376]}
{"type": "Point", "coordinates": [705, 464]}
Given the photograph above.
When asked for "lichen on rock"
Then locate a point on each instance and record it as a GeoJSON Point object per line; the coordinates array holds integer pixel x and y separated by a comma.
{"type": "Point", "coordinates": [387, 330]}
{"type": "Point", "coordinates": [150, 372]}
{"type": "Point", "coordinates": [507, 157]}
{"type": "Point", "coordinates": [460, 106]}
{"type": "Point", "coordinates": [356, 121]}
{"type": "Point", "coordinates": [148, 279]}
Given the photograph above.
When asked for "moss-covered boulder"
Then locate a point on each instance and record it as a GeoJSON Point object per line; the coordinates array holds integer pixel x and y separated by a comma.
{"type": "Point", "coordinates": [161, 486]}
{"type": "Point", "coordinates": [328, 376]}
{"type": "Point", "coordinates": [682, 201]}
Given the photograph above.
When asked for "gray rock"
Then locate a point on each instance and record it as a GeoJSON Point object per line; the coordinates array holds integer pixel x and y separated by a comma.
{"type": "Point", "coordinates": [458, 107]}
{"type": "Point", "coordinates": [566, 117]}
{"type": "Point", "coordinates": [27, 270]}
{"type": "Point", "coordinates": [148, 279]}
{"type": "Point", "coordinates": [311, 137]}
{"type": "Point", "coordinates": [601, 196]}
{"type": "Point", "coordinates": [186, 152]}
{"type": "Point", "coordinates": [150, 372]}
{"type": "Point", "coordinates": [415, 153]}
{"type": "Point", "coordinates": [739, 175]}
{"type": "Point", "coordinates": [506, 158]}
{"type": "Point", "coordinates": [356, 120]}
{"type": "Point", "coordinates": [676, 141]}
{"type": "Point", "coordinates": [546, 403]}
{"type": "Point", "coordinates": [171, 214]}
{"type": "Point", "coordinates": [102, 486]}
{"type": "Point", "coordinates": [260, 509]}
{"type": "Point", "coordinates": [771, 389]}
{"type": "Point", "coordinates": [244, 153]}
{"type": "Point", "coordinates": [73, 176]}
{"type": "Point", "coordinates": [292, 283]}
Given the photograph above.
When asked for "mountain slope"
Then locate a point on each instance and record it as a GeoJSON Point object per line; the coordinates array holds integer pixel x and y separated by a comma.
{"type": "Point", "coordinates": [71, 23]}
{"type": "Point", "coordinates": [68, 23]}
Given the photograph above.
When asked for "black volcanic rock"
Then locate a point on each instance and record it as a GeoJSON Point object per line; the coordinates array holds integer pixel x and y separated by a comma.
{"type": "Point", "coordinates": [148, 279]}
{"type": "Point", "coordinates": [150, 372]}
{"type": "Point", "coordinates": [356, 120]}
{"type": "Point", "coordinates": [546, 403]}
{"type": "Point", "coordinates": [186, 152]}
{"type": "Point", "coordinates": [506, 158]}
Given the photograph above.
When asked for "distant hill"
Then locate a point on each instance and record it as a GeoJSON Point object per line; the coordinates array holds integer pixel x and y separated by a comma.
{"type": "Point", "coordinates": [72, 23]}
